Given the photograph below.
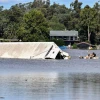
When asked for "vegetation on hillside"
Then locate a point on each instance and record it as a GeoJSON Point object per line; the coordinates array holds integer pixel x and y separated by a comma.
{"type": "Point", "coordinates": [33, 21]}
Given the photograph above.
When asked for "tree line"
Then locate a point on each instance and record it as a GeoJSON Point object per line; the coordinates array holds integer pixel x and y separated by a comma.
{"type": "Point", "coordinates": [33, 21]}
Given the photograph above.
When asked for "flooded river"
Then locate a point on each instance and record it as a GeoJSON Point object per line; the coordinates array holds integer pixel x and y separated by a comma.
{"type": "Point", "coordinates": [74, 79]}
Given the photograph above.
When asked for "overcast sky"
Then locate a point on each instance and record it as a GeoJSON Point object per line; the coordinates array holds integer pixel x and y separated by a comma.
{"type": "Point", "coordinates": [8, 3]}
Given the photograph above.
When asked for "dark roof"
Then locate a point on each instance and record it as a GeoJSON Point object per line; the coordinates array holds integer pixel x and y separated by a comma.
{"type": "Point", "coordinates": [83, 45]}
{"type": "Point", "coordinates": [63, 33]}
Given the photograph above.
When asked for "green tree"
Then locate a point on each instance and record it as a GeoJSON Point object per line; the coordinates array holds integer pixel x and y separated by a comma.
{"type": "Point", "coordinates": [1, 8]}
{"type": "Point", "coordinates": [14, 17]}
{"type": "Point", "coordinates": [55, 24]}
{"type": "Point", "coordinates": [76, 8]}
{"type": "Point", "coordinates": [38, 4]}
{"type": "Point", "coordinates": [59, 42]}
{"type": "Point", "coordinates": [74, 15]}
{"type": "Point", "coordinates": [35, 27]}
{"type": "Point", "coordinates": [3, 21]}
{"type": "Point", "coordinates": [48, 3]}
{"type": "Point", "coordinates": [88, 19]}
{"type": "Point", "coordinates": [97, 8]}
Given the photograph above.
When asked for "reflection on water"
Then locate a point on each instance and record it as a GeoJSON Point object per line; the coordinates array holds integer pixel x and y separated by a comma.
{"type": "Point", "coordinates": [85, 86]}
{"type": "Point", "coordinates": [50, 86]}
{"type": "Point", "coordinates": [74, 79]}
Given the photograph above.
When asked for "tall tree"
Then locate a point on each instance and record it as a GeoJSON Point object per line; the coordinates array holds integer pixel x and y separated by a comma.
{"type": "Point", "coordinates": [3, 21]}
{"type": "Point", "coordinates": [35, 27]}
{"type": "Point", "coordinates": [15, 17]}
{"type": "Point", "coordinates": [1, 8]}
{"type": "Point", "coordinates": [38, 3]}
{"type": "Point", "coordinates": [88, 19]}
{"type": "Point", "coordinates": [48, 3]}
{"type": "Point", "coordinates": [76, 8]}
{"type": "Point", "coordinates": [55, 24]}
{"type": "Point", "coordinates": [97, 8]}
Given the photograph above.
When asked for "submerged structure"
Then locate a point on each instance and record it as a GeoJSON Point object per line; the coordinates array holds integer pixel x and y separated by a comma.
{"type": "Point", "coordinates": [84, 45]}
{"type": "Point", "coordinates": [32, 50]}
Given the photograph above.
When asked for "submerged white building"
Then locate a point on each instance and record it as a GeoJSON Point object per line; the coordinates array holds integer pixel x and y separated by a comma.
{"type": "Point", "coordinates": [32, 50]}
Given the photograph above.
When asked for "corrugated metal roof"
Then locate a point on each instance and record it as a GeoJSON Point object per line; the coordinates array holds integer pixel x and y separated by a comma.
{"type": "Point", "coordinates": [29, 50]}
{"type": "Point", "coordinates": [24, 49]}
{"type": "Point", "coordinates": [63, 33]}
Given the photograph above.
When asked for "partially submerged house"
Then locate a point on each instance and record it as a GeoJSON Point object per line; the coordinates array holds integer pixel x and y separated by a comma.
{"type": "Point", "coordinates": [69, 37]}
{"type": "Point", "coordinates": [31, 50]}
{"type": "Point", "coordinates": [83, 45]}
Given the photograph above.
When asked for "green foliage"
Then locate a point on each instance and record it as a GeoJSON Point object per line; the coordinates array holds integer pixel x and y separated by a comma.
{"type": "Point", "coordinates": [76, 8]}
{"type": "Point", "coordinates": [74, 46]}
{"type": "Point", "coordinates": [32, 21]}
{"type": "Point", "coordinates": [59, 42]}
{"type": "Point", "coordinates": [55, 24]}
{"type": "Point", "coordinates": [88, 19]}
{"type": "Point", "coordinates": [36, 26]}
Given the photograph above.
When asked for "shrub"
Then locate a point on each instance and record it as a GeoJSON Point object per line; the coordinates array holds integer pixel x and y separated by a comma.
{"type": "Point", "coordinates": [74, 46]}
{"type": "Point", "coordinates": [59, 42]}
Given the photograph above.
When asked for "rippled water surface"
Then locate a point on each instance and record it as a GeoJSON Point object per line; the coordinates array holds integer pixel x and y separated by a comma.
{"type": "Point", "coordinates": [74, 79]}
